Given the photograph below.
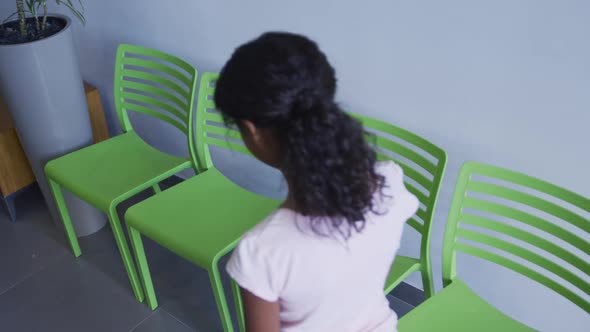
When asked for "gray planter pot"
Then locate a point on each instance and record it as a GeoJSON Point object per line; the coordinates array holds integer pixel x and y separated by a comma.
{"type": "Point", "coordinates": [43, 88]}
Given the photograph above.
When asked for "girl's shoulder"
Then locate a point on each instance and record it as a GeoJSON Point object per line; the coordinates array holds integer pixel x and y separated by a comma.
{"type": "Point", "coordinates": [392, 172]}
{"type": "Point", "coordinates": [273, 228]}
{"type": "Point", "coordinates": [394, 192]}
{"type": "Point", "coordinates": [389, 168]}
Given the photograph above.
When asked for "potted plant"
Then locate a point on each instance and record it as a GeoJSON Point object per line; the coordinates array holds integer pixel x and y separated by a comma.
{"type": "Point", "coordinates": [41, 83]}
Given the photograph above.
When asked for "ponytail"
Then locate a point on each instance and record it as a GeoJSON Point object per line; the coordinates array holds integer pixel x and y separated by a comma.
{"type": "Point", "coordinates": [330, 166]}
{"type": "Point", "coordinates": [284, 82]}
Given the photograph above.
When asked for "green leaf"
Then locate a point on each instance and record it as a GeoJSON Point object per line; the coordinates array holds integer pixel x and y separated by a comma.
{"type": "Point", "coordinates": [68, 3]}
{"type": "Point", "coordinates": [30, 5]}
{"type": "Point", "coordinates": [9, 17]}
{"type": "Point", "coordinates": [40, 4]}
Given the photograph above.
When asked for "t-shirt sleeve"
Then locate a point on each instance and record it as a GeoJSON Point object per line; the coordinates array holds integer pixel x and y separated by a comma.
{"type": "Point", "coordinates": [251, 267]}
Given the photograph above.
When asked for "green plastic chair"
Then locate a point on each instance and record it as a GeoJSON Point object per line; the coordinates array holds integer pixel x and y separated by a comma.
{"type": "Point", "coordinates": [105, 174]}
{"type": "Point", "coordinates": [489, 198]}
{"type": "Point", "coordinates": [202, 218]}
{"type": "Point", "coordinates": [424, 166]}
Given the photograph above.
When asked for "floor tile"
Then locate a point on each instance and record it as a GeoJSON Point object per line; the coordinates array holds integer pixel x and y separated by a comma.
{"type": "Point", "coordinates": [70, 295]}
{"type": "Point", "coordinates": [4, 285]}
{"type": "Point", "coordinates": [400, 307]}
{"type": "Point", "coordinates": [409, 293]}
{"type": "Point", "coordinates": [100, 249]}
{"type": "Point", "coordinates": [5, 228]}
{"type": "Point", "coordinates": [161, 321]}
{"type": "Point", "coordinates": [31, 243]}
{"type": "Point", "coordinates": [183, 289]}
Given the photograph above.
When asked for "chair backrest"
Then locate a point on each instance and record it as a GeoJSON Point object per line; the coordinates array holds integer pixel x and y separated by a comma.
{"type": "Point", "coordinates": [210, 127]}
{"type": "Point", "coordinates": [424, 165]}
{"type": "Point", "coordinates": [157, 84]}
{"type": "Point", "coordinates": [492, 207]}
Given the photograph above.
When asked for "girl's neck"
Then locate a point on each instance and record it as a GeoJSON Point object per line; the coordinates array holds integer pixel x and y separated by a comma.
{"type": "Point", "coordinates": [289, 202]}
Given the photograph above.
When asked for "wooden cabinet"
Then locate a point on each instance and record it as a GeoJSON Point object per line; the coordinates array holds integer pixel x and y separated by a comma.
{"type": "Point", "coordinates": [15, 171]}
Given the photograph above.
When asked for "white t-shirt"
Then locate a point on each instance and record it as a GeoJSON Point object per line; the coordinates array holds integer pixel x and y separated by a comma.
{"type": "Point", "coordinates": [327, 283]}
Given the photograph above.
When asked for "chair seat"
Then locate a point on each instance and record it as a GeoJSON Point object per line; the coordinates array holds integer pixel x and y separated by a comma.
{"type": "Point", "coordinates": [457, 308]}
{"type": "Point", "coordinates": [401, 268]}
{"type": "Point", "coordinates": [201, 218]}
{"type": "Point", "coordinates": [102, 172]}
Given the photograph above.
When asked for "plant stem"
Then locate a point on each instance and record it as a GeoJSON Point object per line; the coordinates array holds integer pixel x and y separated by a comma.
{"type": "Point", "coordinates": [44, 24]}
{"type": "Point", "coordinates": [20, 8]}
{"type": "Point", "coordinates": [37, 24]}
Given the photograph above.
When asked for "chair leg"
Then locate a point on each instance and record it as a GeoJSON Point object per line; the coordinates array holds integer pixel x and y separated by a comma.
{"type": "Point", "coordinates": [65, 216]}
{"type": "Point", "coordinates": [157, 189]}
{"type": "Point", "coordinates": [220, 299]}
{"type": "Point", "coordinates": [427, 284]}
{"type": "Point", "coordinates": [142, 265]}
{"type": "Point", "coordinates": [239, 306]}
{"type": "Point", "coordinates": [125, 254]}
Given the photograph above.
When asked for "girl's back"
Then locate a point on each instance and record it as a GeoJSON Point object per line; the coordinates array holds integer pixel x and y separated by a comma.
{"type": "Point", "coordinates": [327, 283]}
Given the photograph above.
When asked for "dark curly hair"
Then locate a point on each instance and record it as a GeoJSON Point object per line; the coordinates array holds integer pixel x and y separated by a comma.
{"type": "Point", "coordinates": [284, 82]}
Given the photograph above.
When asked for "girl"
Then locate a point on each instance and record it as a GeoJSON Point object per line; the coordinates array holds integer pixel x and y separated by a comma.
{"type": "Point", "coordinates": [320, 261]}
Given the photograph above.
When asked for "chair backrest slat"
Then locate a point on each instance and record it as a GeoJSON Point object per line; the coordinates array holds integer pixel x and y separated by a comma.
{"type": "Point", "coordinates": [228, 133]}
{"type": "Point", "coordinates": [178, 88]}
{"type": "Point", "coordinates": [527, 199]}
{"type": "Point", "coordinates": [156, 84]}
{"type": "Point", "coordinates": [411, 174]}
{"type": "Point", "coordinates": [524, 236]}
{"type": "Point", "coordinates": [175, 104]}
{"type": "Point", "coordinates": [408, 136]}
{"type": "Point", "coordinates": [425, 172]}
{"type": "Point", "coordinates": [541, 186]}
{"type": "Point", "coordinates": [210, 127]}
{"type": "Point", "coordinates": [415, 224]}
{"type": "Point", "coordinates": [213, 117]}
{"type": "Point", "coordinates": [420, 195]}
{"type": "Point", "coordinates": [154, 66]}
{"type": "Point", "coordinates": [528, 255]}
{"type": "Point", "coordinates": [530, 273]}
{"type": "Point", "coordinates": [142, 109]}
{"type": "Point", "coordinates": [154, 80]}
{"type": "Point", "coordinates": [221, 143]}
{"type": "Point", "coordinates": [406, 152]}
{"type": "Point", "coordinates": [155, 103]}
{"type": "Point", "coordinates": [528, 219]}
{"type": "Point", "coordinates": [496, 211]}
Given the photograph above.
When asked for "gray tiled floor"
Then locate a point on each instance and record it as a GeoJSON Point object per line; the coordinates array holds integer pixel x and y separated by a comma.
{"type": "Point", "coordinates": [159, 321]}
{"type": "Point", "coordinates": [44, 288]}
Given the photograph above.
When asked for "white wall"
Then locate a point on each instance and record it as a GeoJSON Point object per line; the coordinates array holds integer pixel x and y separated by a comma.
{"type": "Point", "coordinates": [504, 81]}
